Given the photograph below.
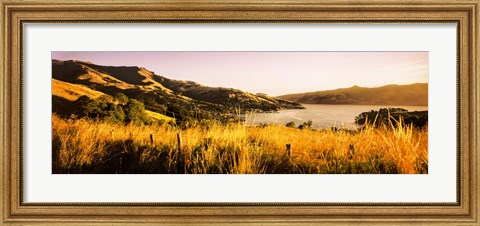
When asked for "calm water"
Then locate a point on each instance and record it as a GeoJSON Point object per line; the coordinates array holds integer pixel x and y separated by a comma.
{"type": "Point", "coordinates": [322, 115]}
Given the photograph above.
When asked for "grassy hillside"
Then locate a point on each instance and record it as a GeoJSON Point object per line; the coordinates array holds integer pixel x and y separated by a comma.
{"type": "Point", "coordinates": [96, 146]}
{"type": "Point", "coordinates": [72, 92]}
{"type": "Point", "coordinates": [182, 99]}
{"type": "Point", "coordinates": [411, 95]}
{"type": "Point", "coordinates": [159, 117]}
{"type": "Point", "coordinates": [68, 99]}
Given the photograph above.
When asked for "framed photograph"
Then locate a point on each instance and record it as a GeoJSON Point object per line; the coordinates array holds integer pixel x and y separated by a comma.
{"type": "Point", "coordinates": [251, 112]}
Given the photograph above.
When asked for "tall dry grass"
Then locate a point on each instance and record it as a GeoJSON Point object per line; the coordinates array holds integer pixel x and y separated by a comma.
{"type": "Point", "coordinates": [90, 146]}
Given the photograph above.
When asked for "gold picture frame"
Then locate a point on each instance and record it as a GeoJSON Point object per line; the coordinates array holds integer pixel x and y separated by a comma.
{"type": "Point", "coordinates": [15, 13]}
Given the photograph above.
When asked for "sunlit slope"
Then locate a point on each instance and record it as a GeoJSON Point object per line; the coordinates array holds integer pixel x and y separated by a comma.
{"type": "Point", "coordinates": [62, 91]}
{"type": "Point", "coordinates": [72, 92]}
{"type": "Point", "coordinates": [98, 77]}
{"type": "Point", "coordinates": [158, 116]}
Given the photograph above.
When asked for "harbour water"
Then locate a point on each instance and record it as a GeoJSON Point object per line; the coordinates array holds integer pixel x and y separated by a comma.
{"type": "Point", "coordinates": [322, 115]}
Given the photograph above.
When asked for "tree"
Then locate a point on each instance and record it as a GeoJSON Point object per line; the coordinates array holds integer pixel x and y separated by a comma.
{"type": "Point", "coordinates": [93, 108]}
{"type": "Point", "coordinates": [121, 98]}
{"type": "Point", "coordinates": [114, 113]}
{"type": "Point", "coordinates": [306, 125]}
{"type": "Point", "coordinates": [135, 112]}
{"type": "Point", "coordinates": [105, 99]}
{"type": "Point", "coordinates": [101, 108]}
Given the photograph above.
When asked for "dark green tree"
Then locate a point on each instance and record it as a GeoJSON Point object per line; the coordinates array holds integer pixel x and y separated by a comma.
{"type": "Point", "coordinates": [93, 108]}
{"type": "Point", "coordinates": [135, 112]}
{"type": "Point", "coordinates": [102, 108]}
{"type": "Point", "coordinates": [114, 113]}
{"type": "Point", "coordinates": [105, 99]}
{"type": "Point", "coordinates": [122, 99]}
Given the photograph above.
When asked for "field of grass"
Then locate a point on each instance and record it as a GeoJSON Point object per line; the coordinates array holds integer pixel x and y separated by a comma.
{"type": "Point", "coordinates": [93, 146]}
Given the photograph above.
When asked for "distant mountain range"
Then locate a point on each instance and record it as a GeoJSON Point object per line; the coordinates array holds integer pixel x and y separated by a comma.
{"type": "Point", "coordinates": [394, 95]}
{"type": "Point", "coordinates": [74, 79]}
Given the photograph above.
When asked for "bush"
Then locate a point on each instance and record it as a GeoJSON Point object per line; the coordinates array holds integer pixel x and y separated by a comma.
{"type": "Point", "coordinates": [306, 125]}
{"type": "Point", "coordinates": [290, 124]}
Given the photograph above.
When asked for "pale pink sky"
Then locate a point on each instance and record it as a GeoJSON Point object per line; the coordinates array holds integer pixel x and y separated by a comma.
{"type": "Point", "coordinates": [274, 73]}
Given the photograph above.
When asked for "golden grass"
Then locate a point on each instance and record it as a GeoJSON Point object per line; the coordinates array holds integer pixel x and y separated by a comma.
{"type": "Point", "coordinates": [72, 92]}
{"type": "Point", "coordinates": [158, 116]}
{"type": "Point", "coordinates": [87, 146]}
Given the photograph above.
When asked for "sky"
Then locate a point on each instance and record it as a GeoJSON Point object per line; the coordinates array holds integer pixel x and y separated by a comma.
{"type": "Point", "coordinates": [273, 73]}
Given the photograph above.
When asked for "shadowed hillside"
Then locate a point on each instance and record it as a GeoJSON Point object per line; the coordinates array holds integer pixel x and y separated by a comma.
{"type": "Point", "coordinates": [411, 95]}
{"type": "Point", "coordinates": [225, 96]}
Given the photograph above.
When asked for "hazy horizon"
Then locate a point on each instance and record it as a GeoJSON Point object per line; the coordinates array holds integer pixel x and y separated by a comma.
{"type": "Point", "coordinates": [273, 73]}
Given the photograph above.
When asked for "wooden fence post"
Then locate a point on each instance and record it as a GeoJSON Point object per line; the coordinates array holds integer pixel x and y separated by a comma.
{"type": "Point", "coordinates": [179, 141]}
{"type": "Point", "coordinates": [289, 150]}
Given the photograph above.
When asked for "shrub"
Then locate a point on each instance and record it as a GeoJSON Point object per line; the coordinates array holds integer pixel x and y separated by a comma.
{"type": "Point", "coordinates": [306, 125]}
{"type": "Point", "coordinates": [290, 124]}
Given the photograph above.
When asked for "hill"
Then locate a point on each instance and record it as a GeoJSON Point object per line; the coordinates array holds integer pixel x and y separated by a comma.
{"type": "Point", "coordinates": [182, 100]}
{"type": "Point", "coordinates": [229, 97]}
{"type": "Point", "coordinates": [73, 91]}
{"type": "Point", "coordinates": [66, 98]}
{"type": "Point", "coordinates": [394, 95]}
